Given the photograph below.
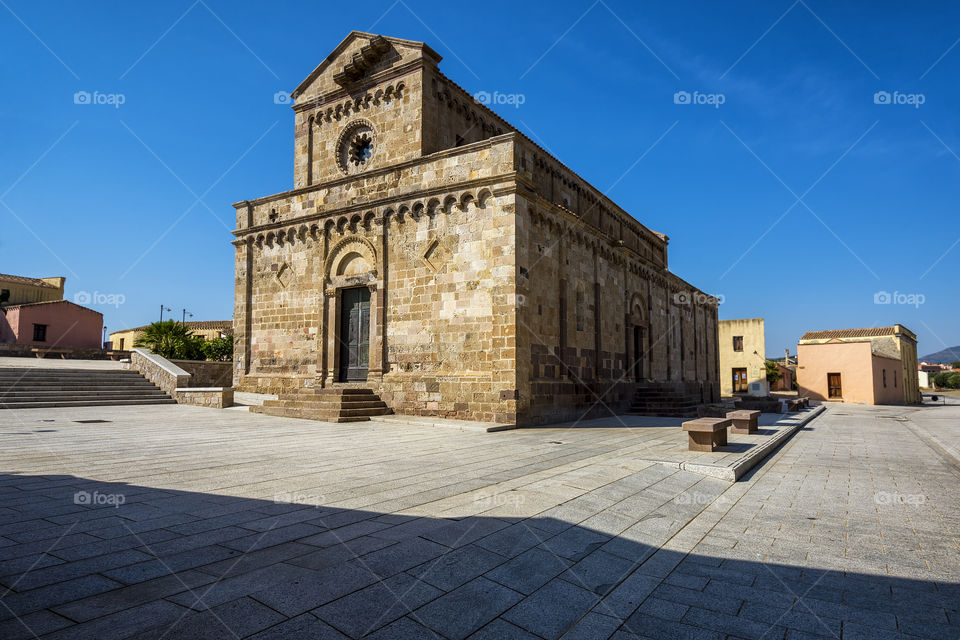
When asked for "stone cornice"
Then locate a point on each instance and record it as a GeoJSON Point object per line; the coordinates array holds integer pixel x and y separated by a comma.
{"type": "Point", "coordinates": [419, 194]}
{"type": "Point", "coordinates": [400, 166]}
{"type": "Point", "coordinates": [344, 94]}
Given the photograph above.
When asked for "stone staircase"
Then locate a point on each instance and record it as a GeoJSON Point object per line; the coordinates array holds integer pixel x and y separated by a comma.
{"type": "Point", "coordinates": [663, 399]}
{"type": "Point", "coordinates": [329, 404]}
{"type": "Point", "coordinates": [22, 388]}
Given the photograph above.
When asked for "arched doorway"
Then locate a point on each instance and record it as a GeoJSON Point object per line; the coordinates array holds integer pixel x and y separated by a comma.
{"type": "Point", "coordinates": [636, 340]}
{"type": "Point", "coordinates": [352, 329]}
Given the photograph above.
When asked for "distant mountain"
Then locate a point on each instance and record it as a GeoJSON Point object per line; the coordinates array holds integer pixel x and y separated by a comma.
{"type": "Point", "coordinates": [944, 356]}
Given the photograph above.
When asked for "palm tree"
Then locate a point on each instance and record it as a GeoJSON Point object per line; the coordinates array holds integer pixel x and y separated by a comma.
{"type": "Point", "coordinates": [168, 339]}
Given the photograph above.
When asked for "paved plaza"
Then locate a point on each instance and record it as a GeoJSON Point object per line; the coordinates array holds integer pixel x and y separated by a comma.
{"type": "Point", "coordinates": [184, 522]}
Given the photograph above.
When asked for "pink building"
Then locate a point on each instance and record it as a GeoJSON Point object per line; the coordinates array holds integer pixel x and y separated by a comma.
{"type": "Point", "coordinates": [864, 366]}
{"type": "Point", "coordinates": [54, 324]}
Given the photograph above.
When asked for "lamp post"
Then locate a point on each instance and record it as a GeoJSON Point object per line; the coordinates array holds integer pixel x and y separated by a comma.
{"type": "Point", "coordinates": [183, 320]}
{"type": "Point", "coordinates": [162, 309]}
{"type": "Point", "coordinates": [103, 340]}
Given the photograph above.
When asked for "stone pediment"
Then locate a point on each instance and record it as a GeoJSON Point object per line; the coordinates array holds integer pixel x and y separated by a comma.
{"type": "Point", "coordinates": [358, 57]}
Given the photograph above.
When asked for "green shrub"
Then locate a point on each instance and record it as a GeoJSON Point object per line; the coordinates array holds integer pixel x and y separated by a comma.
{"type": "Point", "coordinates": [219, 349]}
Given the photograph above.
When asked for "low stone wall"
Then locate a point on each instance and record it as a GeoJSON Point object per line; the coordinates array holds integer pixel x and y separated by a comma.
{"type": "Point", "coordinates": [159, 371]}
{"type": "Point", "coordinates": [26, 351]}
{"type": "Point", "coordinates": [212, 397]}
{"type": "Point", "coordinates": [204, 373]}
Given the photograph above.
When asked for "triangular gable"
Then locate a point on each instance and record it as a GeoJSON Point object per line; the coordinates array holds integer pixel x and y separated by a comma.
{"type": "Point", "coordinates": [358, 55]}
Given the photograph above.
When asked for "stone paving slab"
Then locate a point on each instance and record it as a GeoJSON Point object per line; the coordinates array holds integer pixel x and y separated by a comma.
{"type": "Point", "coordinates": [428, 421]}
{"type": "Point", "coordinates": [55, 362]}
{"type": "Point", "coordinates": [169, 522]}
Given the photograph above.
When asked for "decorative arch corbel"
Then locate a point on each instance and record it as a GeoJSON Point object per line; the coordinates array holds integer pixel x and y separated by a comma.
{"type": "Point", "coordinates": [344, 265]}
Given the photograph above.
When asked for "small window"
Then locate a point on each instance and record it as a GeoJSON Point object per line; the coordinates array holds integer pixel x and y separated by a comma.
{"type": "Point", "coordinates": [738, 343]}
{"type": "Point", "coordinates": [459, 142]}
{"type": "Point", "coordinates": [581, 315]}
{"type": "Point", "coordinates": [884, 378]}
{"type": "Point", "coordinates": [39, 333]}
{"type": "Point", "coordinates": [120, 346]}
{"type": "Point", "coordinates": [5, 293]}
{"type": "Point", "coordinates": [894, 378]}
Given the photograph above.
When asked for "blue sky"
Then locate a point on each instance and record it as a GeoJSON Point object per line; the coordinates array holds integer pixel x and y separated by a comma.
{"type": "Point", "coordinates": [799, 198]}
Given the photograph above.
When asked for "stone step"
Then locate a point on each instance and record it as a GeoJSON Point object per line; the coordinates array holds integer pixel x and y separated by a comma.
{"type": "Point", "coordinates": [48, 388]}
{"type": "Point", "coordinates": [332, 393]}
{"type": "Point", "coordinates": [291, 412]}
{"type": "Point", "coordinates": [80, 393]}
{"type": "Point", "coordinates": [65, 373]}
{"type": "Point", "coordinates": [664, 414]}
{"type": "Point", "coordinates": [653, 399]}
{"type": "Point", "coordinates": [126, 386]}
{"type": "Point", "coordinates": [326, 404]}
{"type": "Point", "coordinates": [331, 409]}
{"type": "Point", "coordinates": [68, 380]}
{"type": "Point", "coordinates": [329, 404]}
{"type": "Point", "coordinates": [84, 403]}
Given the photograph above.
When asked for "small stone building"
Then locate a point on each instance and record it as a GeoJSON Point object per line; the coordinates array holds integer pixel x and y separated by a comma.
{"type": "Point", "coordinates": [125, 339]}
{"type": "Point", "coordinates": [25, 290]}
{"type": "Point", "coordinates": [53, 324]}
{"type": "Point", "coordinates": [432, 253]}
{"type": "Point", "coordinates": [876, 365]}
{"type": "Point", "coordinates": [742, 355]}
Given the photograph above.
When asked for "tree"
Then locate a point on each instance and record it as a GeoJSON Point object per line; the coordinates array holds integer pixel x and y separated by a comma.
{"type": "Point", "coordinates": [773, 371]}
{"type": "Point", "coordinates": [955, 364]}
{"type": "Point", "coordinates": [947, 380]}
{"type": "Point", "coordinates": [954, 381]}
{"type": "Point", "coordinates": [4, 296]}
{"type": "Point", "coordinates": [219, 349]}
{"type": "Point", "coordinates": [170, 339]}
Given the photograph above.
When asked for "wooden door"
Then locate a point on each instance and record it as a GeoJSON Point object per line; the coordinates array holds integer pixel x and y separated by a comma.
{"type": "Point", "coordinates": [354, 333]}
{"type": "Point", "coordinates": [834, 388]}
{"type": "Point", "coordinates": [739, 380]}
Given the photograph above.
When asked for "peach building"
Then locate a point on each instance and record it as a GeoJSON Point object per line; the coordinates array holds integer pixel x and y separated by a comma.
{"type": "Point", "coordinates": [862, 366]}
{"type": "Point", "coordinates": [56, 324]}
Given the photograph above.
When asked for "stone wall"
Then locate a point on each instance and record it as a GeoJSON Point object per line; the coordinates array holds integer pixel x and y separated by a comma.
{"type": "Point", "coordinates": [503, 287]}
{"type": "Point", "coordinates": [211, 397]}
{"type": "Point", "coordinates": [432, 250]}
{"type": "Point", "coordinates": [583, 302]}
{"type": "Point", "coordinates": [204, 373]}
{"type": "Point", "coordinates": [25, 351]}
{"type": "Point", "coordinates": [159, 371]}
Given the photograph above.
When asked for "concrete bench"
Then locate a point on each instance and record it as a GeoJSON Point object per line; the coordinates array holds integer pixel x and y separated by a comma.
{"type": "Point", "coordinates": [706, 434]}
{"type": "Point", "coordinates": [744, 421]}
{"type": "Point", "coordinates": [796, 405]}
{"type": "Point", "coordinates": [804, 401]}
{"type": "Point", "coordinates": [43, 353]}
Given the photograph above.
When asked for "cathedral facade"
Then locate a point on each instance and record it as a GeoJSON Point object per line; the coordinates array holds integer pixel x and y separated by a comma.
{"type": "Point", "coordinates": [433, 254]}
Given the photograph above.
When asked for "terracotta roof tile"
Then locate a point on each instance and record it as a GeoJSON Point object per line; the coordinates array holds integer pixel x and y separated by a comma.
{"type": "Point", "coordinates": [872, 332]}
{"type": "Point", "coordinates": [36, 282]}
{"type": "Point", "coordinates": [196, 324]}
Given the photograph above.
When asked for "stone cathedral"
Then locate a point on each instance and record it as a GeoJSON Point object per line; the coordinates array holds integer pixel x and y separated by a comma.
{"type": "Point", "coordinates": [432, 260]}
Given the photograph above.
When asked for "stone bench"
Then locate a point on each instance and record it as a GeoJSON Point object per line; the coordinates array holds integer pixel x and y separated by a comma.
{"type": "Point", "coordinates": [43, 353]}
{"type": "Point", "coordinates": [744, 422]}
{"type": "Point", "coordinates": [706, 434]}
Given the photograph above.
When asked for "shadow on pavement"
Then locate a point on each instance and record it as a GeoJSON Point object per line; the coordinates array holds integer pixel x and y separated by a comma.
{"type": "Point", "coordinates": [87, 559]}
